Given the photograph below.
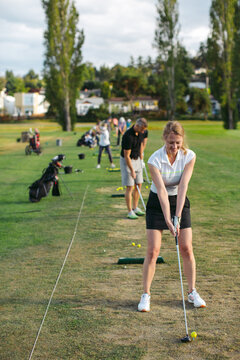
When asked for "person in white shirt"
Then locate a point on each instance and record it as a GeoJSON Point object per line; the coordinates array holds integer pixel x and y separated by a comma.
{"type": "Point", "coordinates": [168, 208]}
{"type": "Point", "coordinates": [104, 143]}
{"type": "Point", "coordinates": [121, 129]}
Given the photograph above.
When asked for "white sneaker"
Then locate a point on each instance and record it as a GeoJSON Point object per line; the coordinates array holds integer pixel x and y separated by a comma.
{"type": "Point", "coordinates": [131, 215]}
{"type": "Point", "coordinates": [113, 165]}
{"type": "Point", "coordinates": [144, 305]}
{"type": "Point", "coordinates": [194, 298]}
{"type": "Point", "coordinates": [98, 166]}
{"type": "Point", "coordinates": [139, 212]}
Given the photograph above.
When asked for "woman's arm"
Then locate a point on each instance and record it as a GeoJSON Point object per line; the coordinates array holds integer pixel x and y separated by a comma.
{"type": "Point", "coordinates": [162, 196]}
{"type": "Point", "coordinates": [183, 186]}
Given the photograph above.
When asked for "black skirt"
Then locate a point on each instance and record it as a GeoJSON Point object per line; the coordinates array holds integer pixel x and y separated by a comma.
{"type": "Point", "coordinates": [154, 215]}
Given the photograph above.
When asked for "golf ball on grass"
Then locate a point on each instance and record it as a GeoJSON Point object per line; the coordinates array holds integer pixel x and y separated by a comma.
{"type": "Point", "coordinates": [139, 245]}
{"type": "Point", "coordinates": [133, 244]}
{"type": "Point", "coordinates": [193, 335]}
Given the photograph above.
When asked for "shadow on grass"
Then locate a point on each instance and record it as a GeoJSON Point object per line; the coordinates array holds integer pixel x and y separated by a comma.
{"type": "Point", "coordinates": [74, 304]}
{"type": "Point", "coordinates": [177, 304]}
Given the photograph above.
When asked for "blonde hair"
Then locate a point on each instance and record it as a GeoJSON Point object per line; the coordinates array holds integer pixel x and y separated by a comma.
{"type": "Point", "coordinates": [176, 128]}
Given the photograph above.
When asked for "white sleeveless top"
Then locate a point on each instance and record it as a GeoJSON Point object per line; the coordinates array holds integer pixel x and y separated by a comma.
{"type": "Point", "coordinates": [171, 174]}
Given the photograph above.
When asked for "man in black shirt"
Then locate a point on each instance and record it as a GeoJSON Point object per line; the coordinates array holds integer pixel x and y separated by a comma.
{"type": "Point", "coordinates": [133, 143]}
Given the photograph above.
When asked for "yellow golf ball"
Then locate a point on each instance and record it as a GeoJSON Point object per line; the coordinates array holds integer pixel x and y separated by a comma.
{"type": "Point", "coordinates": [193, 335]}
{"type": "Point", "coordinates": [133, 244]}
{"type": "Point", "coordinates": [147, 187]}
{"type": "Point", "coordinates": [139, 245]}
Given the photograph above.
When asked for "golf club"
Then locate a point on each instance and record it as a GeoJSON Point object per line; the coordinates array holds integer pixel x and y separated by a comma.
{"type": "Point", "coordinates": [66, 187]}
{"type": "Point", "coordinates": [141, 197]}
{"type": "Point", "coordinates": [186, 338]}
{"type": "Point", "coordinates": [146, 175]}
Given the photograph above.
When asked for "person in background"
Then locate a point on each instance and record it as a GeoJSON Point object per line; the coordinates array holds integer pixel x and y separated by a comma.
{"type": "Point", "coordinates": [115, 125]}
{"type": "Point", "coordinates": [97, 131]}
{"type": "Point", "coordinates": [37, 137]}
{"type": "Point", "coordinates": [34, 138]}
{"type": "Point", "coordinates": [104, 143]}
{"type": "Point", "coordinates": [128, 123]}
{"type": "Point", "coordinates": [168, 208]}
{"type": "Point", "coordinates": [121, 129]}
{"type": "Point", "coordinates": [131, 167]}
{"type": "Point", "coordinates": [109, 124]}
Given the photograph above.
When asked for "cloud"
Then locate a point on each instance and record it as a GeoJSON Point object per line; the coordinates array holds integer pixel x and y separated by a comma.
{"type": "Point", "coordinates": [28, 12]}
{"type": "Point", "coordinates": [192, 39]}
{"type": "Point", "coordinates": [114, 31]}
{"type": "Point", "coordinates": [21, 47]}
{"type": "Point", "coordinates": [119, 30]}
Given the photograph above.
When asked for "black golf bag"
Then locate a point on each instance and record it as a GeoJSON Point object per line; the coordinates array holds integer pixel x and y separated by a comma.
{"type": "Point", "coordinates": [88, 139]}
{"type": "Point", "coordinates": [41, 187]}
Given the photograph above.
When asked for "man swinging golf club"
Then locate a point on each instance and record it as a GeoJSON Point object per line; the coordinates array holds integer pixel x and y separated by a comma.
{"type": "Point", "coordinates": [131, 166]}
{"type": "Point", "coordinates": [171, 169]}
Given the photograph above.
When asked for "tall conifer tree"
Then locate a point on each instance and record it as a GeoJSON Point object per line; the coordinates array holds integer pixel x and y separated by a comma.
{"type": "Point", "coordinates": [223, 57]}
{"type": "Point", "coordinates": [166, 42]}
{"type": "Point", "coordinates": [62, 66]}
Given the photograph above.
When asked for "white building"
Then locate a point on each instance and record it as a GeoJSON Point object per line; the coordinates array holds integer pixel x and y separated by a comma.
{"type": "Point", "coordinates": [30, 104]}
{"type": "Point", "coordinates": [7, 104]}
{"type": "Point", "coordinates": [83, 105]}
{"type": "Point", "coordinates": [198, 84]}
{"type": "Point", "coordinates": [139, 103]}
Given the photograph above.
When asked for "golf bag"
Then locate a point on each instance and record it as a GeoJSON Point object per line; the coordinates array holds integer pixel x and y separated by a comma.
{"type": "Point", "coordinates": [88, 139]}
{"type": "Point", "coordinates": [41, 187]}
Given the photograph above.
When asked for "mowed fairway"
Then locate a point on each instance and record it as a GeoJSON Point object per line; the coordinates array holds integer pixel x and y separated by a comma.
{"type": "Point", "coordinates": [93, 314]}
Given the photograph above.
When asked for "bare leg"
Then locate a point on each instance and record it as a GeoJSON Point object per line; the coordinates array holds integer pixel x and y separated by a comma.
{"type": "Point", "coordinates": [154, 238]}
{"type": "Point", "coordinates": [128, 197]}
{"type": "Point", "coordinates": [136, 195]}
{"type": "Point", "coordinates": [186, 250]}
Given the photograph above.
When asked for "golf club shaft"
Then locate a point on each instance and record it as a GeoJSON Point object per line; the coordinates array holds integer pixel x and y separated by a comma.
{"type": "Point", "coordinates": [180, 273]}
{"type": "Point", "coordinates": [66, 186]}
{"type": "Point", "coordinates": [141, 197]}
{"type": "Point", "coordinates": [146, 175]}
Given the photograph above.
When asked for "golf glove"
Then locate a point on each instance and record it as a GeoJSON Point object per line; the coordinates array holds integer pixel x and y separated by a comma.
{"type": "Point", "coordinates": [176, 222]}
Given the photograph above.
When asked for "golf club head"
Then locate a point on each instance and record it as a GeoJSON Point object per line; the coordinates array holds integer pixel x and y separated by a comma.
{"type": "Point", "coordinates": [186, 339]}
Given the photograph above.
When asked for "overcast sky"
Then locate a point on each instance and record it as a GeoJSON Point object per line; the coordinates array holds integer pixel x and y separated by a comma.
{"type": "Point", "coordinates": [114, 31]}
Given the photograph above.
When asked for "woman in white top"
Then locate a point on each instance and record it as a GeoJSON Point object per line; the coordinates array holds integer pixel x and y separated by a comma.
{"type": "Point", "coordinates": [171, 168]}
{"type": "Point", "coordinates": [104, 143]}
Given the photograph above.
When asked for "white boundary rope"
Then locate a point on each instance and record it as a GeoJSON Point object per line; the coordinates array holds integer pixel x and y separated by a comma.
{"type": "Point", "coordinates": [59, 275]}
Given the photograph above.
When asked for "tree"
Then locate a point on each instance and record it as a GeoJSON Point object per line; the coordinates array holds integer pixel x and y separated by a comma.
{"type": "Point", "coordinates": [63, 71]}
{"type": "Point", "coordinates": [166, 40]}
{"type": "Point", "coordinates": [183, 75]}
{"type": "Point", "coordinates": [2, 83]}
{"type": "Point", "coordinates": [32, 81]}
{"type": "Point", "coordinates": [200, 101]}
{"type": "Point", "coordinates": [221, 45]}
{"type": "Point", "coordinates": [236, 52]}
{"type": "Point", "coordinates": [131, 84]}
{"type": "Point", "coordinates": [127, 82]}
{"type": "Point", "coordinates": [104, 73]}
{"type": "Point", "coordinates": [14, 83]}
{"type": "Point", "coordinates": [105, 90]}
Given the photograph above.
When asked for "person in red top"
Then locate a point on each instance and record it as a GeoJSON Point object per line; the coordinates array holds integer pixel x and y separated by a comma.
{"type": "Point", "coordinates": [37, 138]}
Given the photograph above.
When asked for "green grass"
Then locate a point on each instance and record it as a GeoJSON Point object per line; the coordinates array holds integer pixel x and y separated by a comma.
{"type": "Point", "coordinates": [93, 312]}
